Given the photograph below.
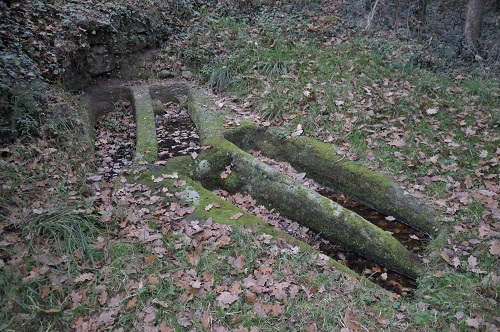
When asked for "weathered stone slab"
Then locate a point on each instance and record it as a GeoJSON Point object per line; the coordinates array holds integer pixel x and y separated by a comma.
{"type": "Point", "coordinates": [194, 194]}
{"type": "Point", "coordinates": [146, 146]}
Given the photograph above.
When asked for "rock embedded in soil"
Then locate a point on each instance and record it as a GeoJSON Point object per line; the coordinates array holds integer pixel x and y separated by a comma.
{"type": "Point", "coordinates": [187, 74]}
{"type": "Point", "coordinates": [165, 74]}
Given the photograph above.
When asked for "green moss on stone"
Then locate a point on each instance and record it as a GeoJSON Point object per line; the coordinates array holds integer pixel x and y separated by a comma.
{"type": "Point", "coordinates": [158, 107]}
{"type": "Point", "coordinates": [322, 163]}
{"type": "Point", "coordinates": [146, 147]}
{"type": "Point", "coordinates": [192, 193]}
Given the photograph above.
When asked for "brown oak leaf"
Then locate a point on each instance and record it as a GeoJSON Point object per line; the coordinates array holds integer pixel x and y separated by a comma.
{"type": "Point", "coordinates": [495, 248]}
{"type": "Point", "coordinates": [131, 303]}
{"type": "Point", "coordinates": [226, 298]}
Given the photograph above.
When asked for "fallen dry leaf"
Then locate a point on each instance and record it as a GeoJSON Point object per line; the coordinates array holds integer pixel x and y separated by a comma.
{"type": "Point", "coordinates": [107, 318]}
{"type": "Point", "coordinates": [236, 216]}
{"type": "Point", "coordinates": [472, 262]}
{"type": "Point", "coordinates": [239, 263]}
{"type": "Point", "coordinates": [261, 309]}
{"type": "Point", "coordinates": [445, 256]}
{"type": "Point", "coordinates": [153, 280]}
{"type": "Point", "coordinates": [226, 173]}
{"type": "Point", "coordinates": [206, 320]}
{"type": "Point", "coordinates": [51, 260]}
{"type": "Point", "coordinates": [95, 178]}
{"type": "Point", "coordinates": [276, 309]}
{"type": "Point", "coordinates": [468, 181]}
{"type": "Point", "coordinates": [483, 154]}
{"type": "Point", "coordinates": [226, 298]}
{"type": "Point", "coordinates": [164, 328]}
{"type": "Point", "coordinates": [149, 259]}
{"type": "Point", "coordinates": [397, 142]}
{"type": "Point", "coordinates": [472, 322]}
{"type": "Point", "coordinates": [164, 304]}
{"type": "Point", "coordinates": [434, 159]}
{"type": "Point", "coordinates": [297, 131]}
{"type": "Point", "coordinates": [184, 318]}
{"type": "Point", "coordinates": [383, 322]}
{"type": "Point", "coordinates": [34, 274]}
{"type": "Point", "coordinates": [311, 327]}
{"type": "Point", "coordinates": [84, 277]}
{"type": "Point", "coordinates": [103, 296]}
{"type": "Point", "coordinates": [495, 248]}
{"type": "Point", "coordinates": [223, 241]}
{"type": "Point", "coordinates": [251, 297]}
{"type": "Point", "coordinates": [179, 183]}
{"type": "Point", "coordinates": [131, 303]}
{"type": "Point", "coordinates": [81, 324]}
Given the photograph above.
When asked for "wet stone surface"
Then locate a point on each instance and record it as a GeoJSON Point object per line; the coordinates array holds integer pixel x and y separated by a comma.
{"type": "Point", "coordinates": [176, 133]}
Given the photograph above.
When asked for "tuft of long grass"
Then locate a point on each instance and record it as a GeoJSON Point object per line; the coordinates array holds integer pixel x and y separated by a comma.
{"type": "Point", "coordinates": [63, 230]}
{"type": "Point", "coordinates": [57, 247]}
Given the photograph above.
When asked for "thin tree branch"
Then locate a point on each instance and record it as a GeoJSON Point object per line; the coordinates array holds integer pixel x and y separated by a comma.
{"type": "Point", "coordinates": [370, 16]}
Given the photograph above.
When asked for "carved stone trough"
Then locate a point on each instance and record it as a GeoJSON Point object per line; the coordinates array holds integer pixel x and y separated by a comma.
{"type": "Point", "coordinates": [225, 149]}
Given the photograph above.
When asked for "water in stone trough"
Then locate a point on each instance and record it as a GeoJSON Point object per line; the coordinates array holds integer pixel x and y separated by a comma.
{"type": "Point", "coordinates": [412, 239]}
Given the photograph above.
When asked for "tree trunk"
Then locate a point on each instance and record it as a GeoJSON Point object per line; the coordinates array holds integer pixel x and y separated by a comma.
{"type": "Point", "coordinates": [420, 10]}
{"type": "Point", "coordinates": [473, 23]}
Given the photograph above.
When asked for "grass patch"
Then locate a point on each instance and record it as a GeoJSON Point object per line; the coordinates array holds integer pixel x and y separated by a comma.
{"type": "Point", "coordinates": [65, 231]}
{"type": "Point", "coordinates": [214, 284]}
{"type": "Point", "coordinates": [38, 284]}
{"type": "Point", "coordinates": [435, 132]}
{"type": "Point", "coordinates": [47, 226]}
